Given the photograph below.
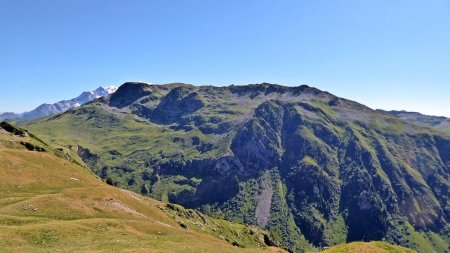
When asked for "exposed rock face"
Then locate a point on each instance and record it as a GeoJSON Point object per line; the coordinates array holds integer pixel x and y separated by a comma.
{"type": "Point", "coordinates": [304, 164]}
{"type": "Point", "coordinates": [128, 93]}
{"type": "Point", "coordinates": [262, 211]}
{"type": "Point", "coordinates": [178, 102]}
{"type": "Point", "coordinates": [86, 155]}
{"type": "Point", "coordinates": [12, 129]}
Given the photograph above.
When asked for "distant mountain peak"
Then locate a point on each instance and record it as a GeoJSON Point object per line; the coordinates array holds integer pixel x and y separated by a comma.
{"type": "Point", "coordinates": [105, 91]}
{"type": "Point", "coordinates": [111, 89]}
{"type": "Point", "coordinates": [45, 110]}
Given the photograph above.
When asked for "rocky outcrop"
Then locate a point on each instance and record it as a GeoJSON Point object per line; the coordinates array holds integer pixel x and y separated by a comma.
{"type": "Point", "coordinates": [128, 93]}
{"type": "Point", "coordinates": [179, 102]}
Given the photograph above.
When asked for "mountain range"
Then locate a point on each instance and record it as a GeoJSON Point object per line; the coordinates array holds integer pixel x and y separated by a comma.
{"type": "Point", "coordinates": [46, 110]}
{"type": "Point", "coordinates": [312, 169]}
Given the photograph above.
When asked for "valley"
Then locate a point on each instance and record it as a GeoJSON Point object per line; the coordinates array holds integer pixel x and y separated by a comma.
{"type": "Point", "coordinates": [49, 202]}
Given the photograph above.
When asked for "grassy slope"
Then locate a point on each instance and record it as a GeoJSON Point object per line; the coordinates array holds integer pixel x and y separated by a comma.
{"type": "Point", "coordinates": [49, 204]}
{"type": "Point", "coordinates": [371, 247]}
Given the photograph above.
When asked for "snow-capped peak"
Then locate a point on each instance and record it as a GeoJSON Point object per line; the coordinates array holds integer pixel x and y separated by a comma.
{"type": "Point", "coordinates": [111, 89]}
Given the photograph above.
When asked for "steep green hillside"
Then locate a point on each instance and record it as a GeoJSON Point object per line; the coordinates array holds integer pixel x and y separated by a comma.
{"type": "Point", "coordinates": [50, 204]}
{"type": "Point", "coordinates": [311, 168]}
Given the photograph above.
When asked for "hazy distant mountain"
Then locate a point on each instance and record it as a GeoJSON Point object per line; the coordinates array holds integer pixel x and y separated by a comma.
{"type": "Point", "coordinates": [8, 115]}
{"type": "Point", "coordinates": [437, 122]}
{"type": "Point", "coordinates": [46, 110]}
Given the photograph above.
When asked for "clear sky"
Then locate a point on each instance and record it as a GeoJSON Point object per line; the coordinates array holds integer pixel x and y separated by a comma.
{"type": "Point", "coordinates": [383, 53]}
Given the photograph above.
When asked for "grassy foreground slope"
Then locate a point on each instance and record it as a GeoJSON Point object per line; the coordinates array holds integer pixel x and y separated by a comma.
{"type": "Point", "coordinates": [370, 247]}
{"type": "Point", "coordinates": [50, 204]}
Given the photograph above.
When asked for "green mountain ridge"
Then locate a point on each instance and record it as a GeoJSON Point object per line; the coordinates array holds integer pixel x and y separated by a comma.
{"type": "Point", "coordinates": [310, 167]}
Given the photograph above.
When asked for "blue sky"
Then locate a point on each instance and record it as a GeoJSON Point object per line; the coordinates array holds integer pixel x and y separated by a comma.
{"type": "Point", "coordinates": [385, 54]}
